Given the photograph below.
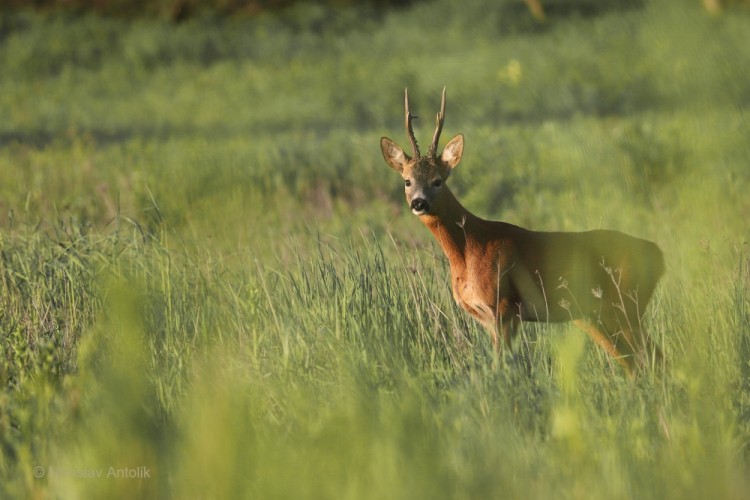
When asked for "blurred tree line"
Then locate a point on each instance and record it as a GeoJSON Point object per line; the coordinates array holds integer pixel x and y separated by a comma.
{"type": "Point", "coordinates": [181, 9]}
{"type": "Point", "coordinates": [177, 10]}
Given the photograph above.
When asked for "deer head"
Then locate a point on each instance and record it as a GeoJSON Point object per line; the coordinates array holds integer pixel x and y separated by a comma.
{"type": "Point", "coordinates": [424, 176]}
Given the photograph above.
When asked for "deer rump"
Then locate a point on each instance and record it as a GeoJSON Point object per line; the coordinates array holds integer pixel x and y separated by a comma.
{"type": "Point", "coordinates": [562, 276]}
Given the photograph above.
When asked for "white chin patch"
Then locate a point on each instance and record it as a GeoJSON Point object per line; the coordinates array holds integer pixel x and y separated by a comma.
{"type": "Point", "coordinates": [419, 212]}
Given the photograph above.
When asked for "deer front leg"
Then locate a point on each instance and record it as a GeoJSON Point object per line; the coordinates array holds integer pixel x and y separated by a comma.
{"type": "Point", "coordinates": [504, 328]}
{"type": "Point", "coordinates": [653, 354]}
{"type": "Point", "coordinates": [502, 332]}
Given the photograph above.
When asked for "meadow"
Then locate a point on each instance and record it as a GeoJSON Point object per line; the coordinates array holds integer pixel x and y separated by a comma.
{"type": "Point", "coordinates": [211, 287]}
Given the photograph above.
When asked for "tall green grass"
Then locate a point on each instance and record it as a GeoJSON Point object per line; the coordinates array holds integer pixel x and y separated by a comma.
{"type": "Point", "coordinates": [341, 372]}
{"type": "Point", "coordinates": [209, 282]}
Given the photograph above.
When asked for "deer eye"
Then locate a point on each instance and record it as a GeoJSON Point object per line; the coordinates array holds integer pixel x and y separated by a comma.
{"type": "Point", "coordinates": [407, 183]}
{"type": "Point", "coordinates": [437, 183]}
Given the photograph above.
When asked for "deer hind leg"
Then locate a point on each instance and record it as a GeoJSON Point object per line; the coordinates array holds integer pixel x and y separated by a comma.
{"type": "Point", "coordinates": [653, 351]}
{"type": "Point", "coordinates": [649, 353]}
{"type": "Point", "coordinates": [619, 348]}
{"type": "Point", "coordinates": [626, 316]}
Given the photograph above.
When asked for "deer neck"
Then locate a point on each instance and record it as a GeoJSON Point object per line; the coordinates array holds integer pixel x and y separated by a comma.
{"type": "Point", "coordinates": [452, 227]}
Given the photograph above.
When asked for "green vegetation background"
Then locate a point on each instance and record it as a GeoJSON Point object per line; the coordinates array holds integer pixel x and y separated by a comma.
{"type": "Point", "coordinates": [208, 271]}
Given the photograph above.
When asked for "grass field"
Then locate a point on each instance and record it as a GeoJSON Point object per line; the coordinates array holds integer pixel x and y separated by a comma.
{"type": "Point", "coordinates": [210, 285]}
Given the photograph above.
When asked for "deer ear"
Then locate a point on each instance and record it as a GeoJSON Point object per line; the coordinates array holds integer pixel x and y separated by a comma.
{"type": "Point", "coordinates": [393, 154]}
{"type": "Point", "coordinates": [453, 151]}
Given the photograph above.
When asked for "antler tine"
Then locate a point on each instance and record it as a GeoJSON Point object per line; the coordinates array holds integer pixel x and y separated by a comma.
{"type": "Point", "coordinates": [409, 129]}
{"type": "Point", "coordinates": [438, 127]}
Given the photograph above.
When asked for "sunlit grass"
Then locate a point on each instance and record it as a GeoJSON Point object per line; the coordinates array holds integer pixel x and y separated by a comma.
{"type": "Point", "coordinates": [209, 282]}
{"type": "Point", "coordinates": [343, 372]}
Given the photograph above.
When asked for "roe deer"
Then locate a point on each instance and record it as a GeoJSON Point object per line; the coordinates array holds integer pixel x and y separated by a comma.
{"type": "Point", "coordinates": [503, 274]}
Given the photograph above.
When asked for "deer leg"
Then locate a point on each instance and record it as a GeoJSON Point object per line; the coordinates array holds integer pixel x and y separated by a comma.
{"type": "Point", "coordinates": [508, 328]}
{"type": "Point", "coordinates": [650, 354]}
{"type": "Point", "coordinates": [634, 336]}
{"type": "Point", "coordinates": [495, 338]}
{"type": "Point", "coordinates": [611, 347]}
{"type": "Point", "coordinates": [627, 342]}
{"type": "Point", "coordinates": [623, 324]}
{"type": "Point", "coordinates": [502, 333]}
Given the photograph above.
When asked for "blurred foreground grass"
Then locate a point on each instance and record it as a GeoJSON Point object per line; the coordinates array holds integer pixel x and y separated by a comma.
{"type": "Point", "coordinates": [209, 283]}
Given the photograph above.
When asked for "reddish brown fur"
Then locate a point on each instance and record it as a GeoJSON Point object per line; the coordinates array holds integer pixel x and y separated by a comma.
{"type": "Point", "coordinates": [502, 274]}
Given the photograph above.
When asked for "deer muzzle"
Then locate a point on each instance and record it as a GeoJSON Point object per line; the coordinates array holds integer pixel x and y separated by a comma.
{"type": "Point", "coordinates": [420, 206]}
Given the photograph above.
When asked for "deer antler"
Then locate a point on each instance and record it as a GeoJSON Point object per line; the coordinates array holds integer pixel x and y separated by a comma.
{"type": "Point", "coordinates": [438, 127]}
{"type": "Point", "coordinates": [409, 129]}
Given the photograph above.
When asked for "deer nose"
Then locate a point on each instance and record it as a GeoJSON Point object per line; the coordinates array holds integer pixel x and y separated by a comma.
{"type": "Point", "coordinates": [419, 205]}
